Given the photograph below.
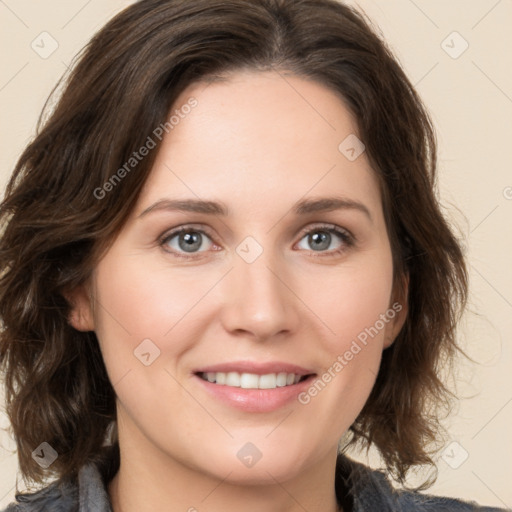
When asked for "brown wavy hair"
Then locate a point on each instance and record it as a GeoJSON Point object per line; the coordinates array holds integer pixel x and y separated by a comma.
{"type": "Point", "coordinates": [123, 85]}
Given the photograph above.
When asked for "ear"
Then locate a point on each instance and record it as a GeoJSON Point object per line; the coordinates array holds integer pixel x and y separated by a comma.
{"type": "Point", "coordinates": [81, 315]}
{"type": "Point", "coordinates": [399, 305]}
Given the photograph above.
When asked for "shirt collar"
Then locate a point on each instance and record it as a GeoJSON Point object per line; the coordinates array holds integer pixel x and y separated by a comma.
{"type": "Point", "coordinates": [357, 487]}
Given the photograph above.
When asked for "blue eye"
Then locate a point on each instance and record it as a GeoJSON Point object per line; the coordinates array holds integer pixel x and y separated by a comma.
{"type": "Point", "coordinates": [320, 238]}
{"type": "Point", "coordinates": [189, 242]}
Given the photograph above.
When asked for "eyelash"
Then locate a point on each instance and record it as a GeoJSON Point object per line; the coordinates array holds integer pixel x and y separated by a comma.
{"type": "Point", "coordinates": [346, 237]}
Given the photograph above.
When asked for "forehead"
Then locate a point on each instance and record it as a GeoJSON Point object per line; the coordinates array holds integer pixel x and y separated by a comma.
{"type": "Point", "coordinates": [266, 135]}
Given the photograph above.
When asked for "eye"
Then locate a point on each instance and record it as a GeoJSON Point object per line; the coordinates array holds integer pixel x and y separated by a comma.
{"type": "Point", "coordinates": [186, 240]}
{"type": "Point", "coordinates": [321, 238]}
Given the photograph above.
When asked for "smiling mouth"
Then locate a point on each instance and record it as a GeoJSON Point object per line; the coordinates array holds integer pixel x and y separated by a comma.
{"type": "Point", "coordinates": [253, 380]}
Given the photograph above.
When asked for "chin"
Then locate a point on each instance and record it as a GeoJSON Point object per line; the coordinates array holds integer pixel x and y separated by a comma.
{"type": "Point", "coordinates": [249, 465]}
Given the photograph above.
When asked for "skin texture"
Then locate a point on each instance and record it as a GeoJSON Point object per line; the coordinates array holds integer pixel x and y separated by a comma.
{"type": "Point", "coordinates": [255, 144]}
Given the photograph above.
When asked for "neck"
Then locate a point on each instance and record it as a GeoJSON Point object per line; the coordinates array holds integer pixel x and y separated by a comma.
{"type": "Point", "coordinates": [150, 480]}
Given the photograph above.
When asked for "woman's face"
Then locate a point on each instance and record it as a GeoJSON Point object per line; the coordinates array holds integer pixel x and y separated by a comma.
{"type": "Point", "coordinates": [275, 289]}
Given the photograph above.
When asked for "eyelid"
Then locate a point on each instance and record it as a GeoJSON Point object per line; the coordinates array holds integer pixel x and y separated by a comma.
{"type": "Point", "coordinates": [171, 233]}
{"type": "Point", "coordinates": [326, 226]}
{"type": "Point", "coordinates": [346, 236]}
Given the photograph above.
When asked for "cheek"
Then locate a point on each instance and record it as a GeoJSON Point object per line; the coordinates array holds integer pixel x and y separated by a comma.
{"type": "Point", "coordinates": [142, 299]}
{"type": "Point", "coordinates": [352, 300]}
{"type": "Point", "coordinates": [357, 310]}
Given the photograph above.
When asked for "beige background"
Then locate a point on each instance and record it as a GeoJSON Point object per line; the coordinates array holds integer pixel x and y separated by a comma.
{"type": "Point", "coordinates": [470, 98]}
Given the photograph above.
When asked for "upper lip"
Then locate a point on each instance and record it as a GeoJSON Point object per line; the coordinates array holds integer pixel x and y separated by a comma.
{"type": "Point", "coordinates": [257, 368]}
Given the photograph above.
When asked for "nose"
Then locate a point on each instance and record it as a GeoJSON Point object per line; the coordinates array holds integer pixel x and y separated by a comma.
{"type": "Point", "coordinates": [258, 299]}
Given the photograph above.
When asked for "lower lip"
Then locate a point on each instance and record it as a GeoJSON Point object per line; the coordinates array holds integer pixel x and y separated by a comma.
{"type": "Point", "coordinates": [255, 400]}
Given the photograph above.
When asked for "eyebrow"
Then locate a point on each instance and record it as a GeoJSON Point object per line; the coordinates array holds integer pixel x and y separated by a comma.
{"type": "Point", "coordinates": [304, 207]}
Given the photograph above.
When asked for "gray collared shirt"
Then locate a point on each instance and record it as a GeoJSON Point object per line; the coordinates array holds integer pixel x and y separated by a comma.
{"type": "Point", "coordinates": [368, 491]}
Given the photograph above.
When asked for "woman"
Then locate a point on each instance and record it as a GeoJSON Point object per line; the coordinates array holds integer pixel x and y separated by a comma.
{"type": "Point", "coordinates": [223, 260]}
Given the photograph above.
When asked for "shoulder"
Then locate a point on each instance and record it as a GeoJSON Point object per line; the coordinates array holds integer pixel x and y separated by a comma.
{"type": "Point", "coordinates": [371, 490]}
{"type": "Point", "coordinates": [54, 497]}
{"type": "Point", "coordinates": [87, 494]}
{"type": "Point", "coordinates": [427, 503]}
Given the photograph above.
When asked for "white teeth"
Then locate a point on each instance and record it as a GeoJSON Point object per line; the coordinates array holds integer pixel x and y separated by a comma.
{"type": "Point", "coordinates": [268, 381]}
{"type": "Point", "coordinates": [252, 380]}
{"type": "Point", "coordinates": [233, 379]}
{"type": "Point", "coordinates": [249, 381]}
{"type": "Point", "coordinates": [281, 379]}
